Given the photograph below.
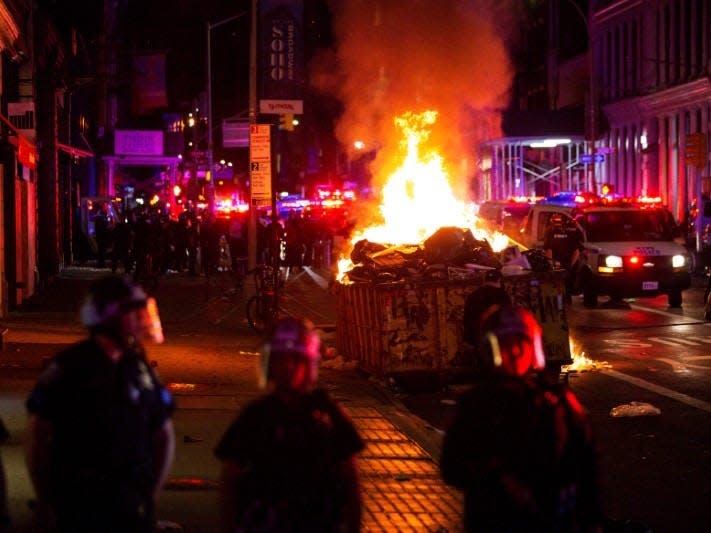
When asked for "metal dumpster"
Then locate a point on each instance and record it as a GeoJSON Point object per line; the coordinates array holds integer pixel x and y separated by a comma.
{"type": "Point", "coordinates": [409, 325]}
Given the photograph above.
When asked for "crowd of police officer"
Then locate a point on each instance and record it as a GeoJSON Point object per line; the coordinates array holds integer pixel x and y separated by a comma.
{"type": "Point", "coordinates": [150, 242]}
{"type": "Point", "coordinates": [150, 239]}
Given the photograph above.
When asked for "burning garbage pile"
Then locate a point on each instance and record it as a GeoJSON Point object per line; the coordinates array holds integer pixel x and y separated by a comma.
{"type": "Point", "coordinates": [446, 254]}
{"type": "Point", "coordinates": [405, 279]}
{"type": "Point", "coordinates": [450, 253]}
{"type": "Point", "coordinates": [427, 233]}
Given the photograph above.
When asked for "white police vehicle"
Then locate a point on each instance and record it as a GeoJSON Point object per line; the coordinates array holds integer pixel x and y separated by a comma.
{"type": "Point", "coordinates": [630, 251]}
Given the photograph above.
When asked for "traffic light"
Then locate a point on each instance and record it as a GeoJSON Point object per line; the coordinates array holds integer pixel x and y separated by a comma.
{"type": "Point", "coordinates": [696, 150]}
{"type": "Point", "coordinates": [286, 122]}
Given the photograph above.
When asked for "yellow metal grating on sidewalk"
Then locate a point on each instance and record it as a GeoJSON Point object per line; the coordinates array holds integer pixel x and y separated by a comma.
{"type": "Point", "coordinates": [379, 423]}
{"type": "Point", "coordinates": [392, 450]}
{"type": "Point", "coordinates": [410, 505]}
{"type": "Point", "coordinates": [398, 466]}
{"type": "Point", "coordinates": [381, 435]}
{"type": "Point", "coordinates": [401, 483]}
{"type": "Point", "coordinates": [361, 412]}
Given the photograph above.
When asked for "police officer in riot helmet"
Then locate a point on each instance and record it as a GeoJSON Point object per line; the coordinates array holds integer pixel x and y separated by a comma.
{"type": "Point", "coordinates": [101, 440]}
{"type": "Point", "coordinates": [289, 458]}
{"type": "Point", "coordinates": [563, 242]}
{"type": "Point", "coordinates": [520, 445]}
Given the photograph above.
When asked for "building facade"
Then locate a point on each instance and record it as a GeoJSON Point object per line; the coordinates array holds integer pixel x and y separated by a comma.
{"type": "Point", "coordinates": [651, 61]}
{"type": "Point", "coordinates": [18, 155]}
{"type": "Point", "coordinates": [648, 100]}
{"type": "Point", "coordinates": [547, 146]}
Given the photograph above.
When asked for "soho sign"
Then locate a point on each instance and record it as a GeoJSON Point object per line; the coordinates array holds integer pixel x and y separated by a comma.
{"type": "Point", "coordinates": [282, 53]}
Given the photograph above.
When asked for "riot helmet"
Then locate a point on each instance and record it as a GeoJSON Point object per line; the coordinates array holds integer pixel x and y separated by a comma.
{"type": "Point", "coordinates": [109, 298]}
{"type": "Point", "coordinates": [512, 340]}
{"type": "Point", "coordinates": [292, 345]}
{"type": "Point", "coordinates": [478, 302]}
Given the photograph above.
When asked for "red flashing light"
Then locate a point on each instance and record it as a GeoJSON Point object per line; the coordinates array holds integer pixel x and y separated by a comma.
{"type": "Point", "coordinates": [335, 198]}
{"type": "Point", "coordinates": [649, 200]}
{"type": "Point", "coordinates": [586, 198]}
{"type": "Point", "coordinates": [635, 260]}
{"type": "Point", "coordinates": [525, 199]}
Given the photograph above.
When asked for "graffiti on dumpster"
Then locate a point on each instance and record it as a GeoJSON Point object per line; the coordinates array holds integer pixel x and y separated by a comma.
{"type": "Point", "coordinates": [408, 329]}
{"type": "Point", "coordinates": [418, 326]}
{"type": "Point", "coordinates": [414, 309]}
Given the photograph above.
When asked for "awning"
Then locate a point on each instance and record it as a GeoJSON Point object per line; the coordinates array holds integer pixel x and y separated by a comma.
{"type": "Point", "coordinates": [74, 151]}
{"type": "Point", "coordinates": [9, 31]}
{"type": "Point", "coordinates": [26, 149]}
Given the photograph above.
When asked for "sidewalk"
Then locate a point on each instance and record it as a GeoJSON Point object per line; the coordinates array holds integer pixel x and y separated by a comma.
{"type": "Point", "coordinates": [208, 360]}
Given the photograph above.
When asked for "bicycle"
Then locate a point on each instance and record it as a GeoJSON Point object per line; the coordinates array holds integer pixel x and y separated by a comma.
{"type": "Point", "coordinates": [263, 308]}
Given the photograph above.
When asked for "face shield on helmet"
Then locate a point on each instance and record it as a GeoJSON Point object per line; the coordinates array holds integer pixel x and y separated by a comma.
{"type": "Point", "coordinates": [512, 339]}
{"type": "Point", "coordinates": [291, 339]}
{"type": "Point", "coordinates": [109, 299]}
{"type": "Point", "coordinates": [150, 321]}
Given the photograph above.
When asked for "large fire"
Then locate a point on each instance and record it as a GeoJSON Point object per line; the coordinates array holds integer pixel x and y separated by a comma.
{"type": "Point", "coordinates": [417, 198]}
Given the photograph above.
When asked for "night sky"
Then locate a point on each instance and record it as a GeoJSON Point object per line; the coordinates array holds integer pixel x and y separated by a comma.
{"type": "Point", "coordinates": [179, 28]}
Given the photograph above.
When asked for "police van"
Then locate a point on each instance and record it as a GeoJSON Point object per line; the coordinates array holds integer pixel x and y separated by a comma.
{"type": "Point", "coordinates": [630, 251]}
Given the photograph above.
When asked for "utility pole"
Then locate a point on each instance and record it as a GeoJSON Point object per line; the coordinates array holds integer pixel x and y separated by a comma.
{"type": "Point", "coordinates": [252, 226]}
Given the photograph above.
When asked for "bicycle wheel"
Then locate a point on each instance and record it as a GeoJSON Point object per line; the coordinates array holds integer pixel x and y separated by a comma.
{"type": "Point", "coordinates": [259, 309]}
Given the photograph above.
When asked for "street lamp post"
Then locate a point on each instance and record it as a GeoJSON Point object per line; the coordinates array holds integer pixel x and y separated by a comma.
{"type": "Point", "coordinates": [210, 156]}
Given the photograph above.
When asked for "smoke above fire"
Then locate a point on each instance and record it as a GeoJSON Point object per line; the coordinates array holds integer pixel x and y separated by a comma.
{"type": "Point", "coordinates": [392, 57]}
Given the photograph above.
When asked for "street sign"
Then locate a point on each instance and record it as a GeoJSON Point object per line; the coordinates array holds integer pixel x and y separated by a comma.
{"type": "Point", "coordinates": [588, 158]}
{"type": "Point", "coordinates": [260, 164]}
{"type": "Point", "coordinates": [235, 133]}
{"type": "Point", "coordinates": [696, 150]}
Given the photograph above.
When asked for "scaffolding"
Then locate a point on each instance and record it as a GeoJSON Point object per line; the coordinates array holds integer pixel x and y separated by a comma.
{"type": "Point", "coordinates": [537, 166]}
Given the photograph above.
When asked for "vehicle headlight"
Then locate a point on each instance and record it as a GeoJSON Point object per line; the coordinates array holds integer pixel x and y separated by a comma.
{"type": "Point", "coordinates": [613, 261]}
{"type": "Point", "coordinates": [609, 264]}
{"type": "Point", "coordinates": [678, 261]}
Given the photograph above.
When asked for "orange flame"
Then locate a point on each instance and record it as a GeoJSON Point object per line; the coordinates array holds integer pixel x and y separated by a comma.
{"type": "Point", "coordinates": [417, 198]}
{"type": "Point", "coordinates": [582, 363]}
